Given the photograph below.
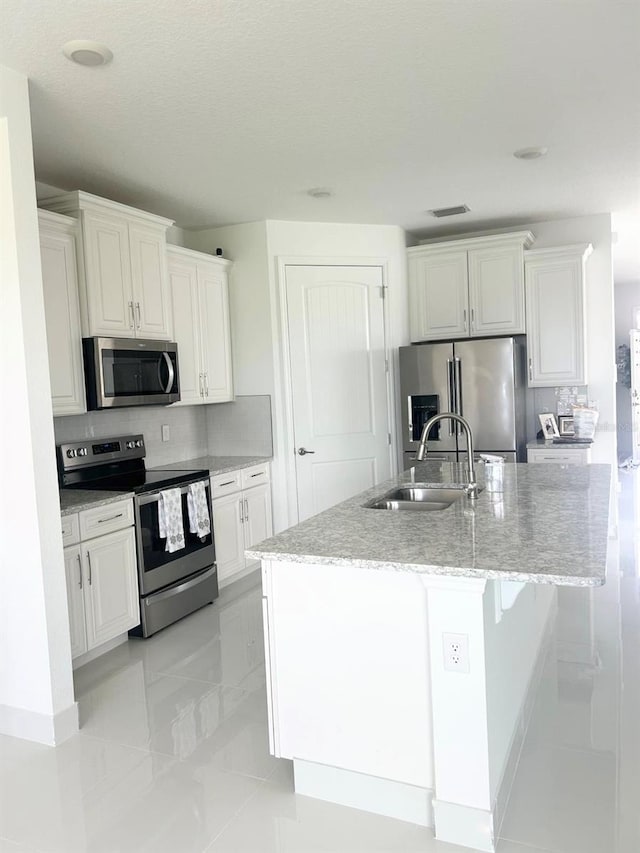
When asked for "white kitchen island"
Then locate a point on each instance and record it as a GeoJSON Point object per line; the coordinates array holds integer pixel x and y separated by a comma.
{"type": "Point", "coordinates": [403, 649]}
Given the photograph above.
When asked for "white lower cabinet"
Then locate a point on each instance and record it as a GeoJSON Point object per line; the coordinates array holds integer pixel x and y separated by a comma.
{"type": "Point", "coordinates": [241, 517]}
{"type": "Point", "coordinates": [102, 582]}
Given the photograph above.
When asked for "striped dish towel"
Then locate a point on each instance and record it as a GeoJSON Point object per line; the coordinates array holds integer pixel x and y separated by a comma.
{"type": "Point", "coordinates": [199, 521]}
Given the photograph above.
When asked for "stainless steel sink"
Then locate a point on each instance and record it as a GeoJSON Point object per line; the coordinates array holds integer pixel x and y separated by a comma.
{"type": "Point", "coordinates": [416, 497]}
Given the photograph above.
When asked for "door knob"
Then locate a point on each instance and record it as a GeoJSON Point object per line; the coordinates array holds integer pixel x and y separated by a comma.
{"type": "Point", "coordinates": [303, 452]}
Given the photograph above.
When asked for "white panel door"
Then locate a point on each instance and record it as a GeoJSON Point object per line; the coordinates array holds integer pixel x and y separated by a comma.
{"type": "Point", "coordinates": [555, 322]}
{"type": "Point", "coordinates": [438, 295]}
{"type": "Point", "coordinates": [149, 281]}
{"type": "Point", "coordinates": [62, 317]}
{"type": "Point", "coordinates": [108, 275]}
{"type": "Point", "coordinates": [228, 530]}
{"type": "Point", "coordinates": [635, 394]}
{"type": "Point", "coordinates": [183, 285]}
{"type": "Point", "coordinates": [111, 586]}
{"type": "Point", "coordinates": [496, 290]}
{"type": "Point", "coordinates": [216, 336]}
{"type": "Point", "coordinates": [75, 599]}
{"type": "Point", "coordinates": [258, 517]}
{"type": "Point", "coordinates": [338, 382]}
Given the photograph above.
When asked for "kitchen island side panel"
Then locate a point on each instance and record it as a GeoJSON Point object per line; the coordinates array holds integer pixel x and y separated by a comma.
{"type": "Point", "coordinates": [349, 669]}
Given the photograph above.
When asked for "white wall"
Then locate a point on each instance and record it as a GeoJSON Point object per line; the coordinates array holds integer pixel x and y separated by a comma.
{"type": "Point", "coordinates": [36, 686]}
{"type": "Point", "coordinates": [256, 326]}
{"type": "Point", "coordinates": [627, 297]}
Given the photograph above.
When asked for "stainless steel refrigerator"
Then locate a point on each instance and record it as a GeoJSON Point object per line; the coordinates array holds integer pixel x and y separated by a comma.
{"type": "Point", "coordinates": [483, 380]}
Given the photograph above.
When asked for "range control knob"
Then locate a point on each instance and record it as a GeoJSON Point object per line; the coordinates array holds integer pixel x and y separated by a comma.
{"type": "Point", "coordinates": [130, 445]}
{"type": "Point", "coordinates": [82, 451]}
{"type": "Point", "coordinates": [71, 453]}
{"type": "Point", "coordinates": [138, 442]}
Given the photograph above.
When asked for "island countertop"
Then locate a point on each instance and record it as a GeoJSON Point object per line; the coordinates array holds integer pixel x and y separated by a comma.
{"type": "Point", "coordinates": [548, 524]}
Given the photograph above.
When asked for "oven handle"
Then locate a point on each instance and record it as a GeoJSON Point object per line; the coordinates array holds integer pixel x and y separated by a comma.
{"type": "Point", "coordinates": [172, 373]}
{"type": "Point", "coordinates": [168, 593]}
{"type": "Point", "coordinates": [154, 497]}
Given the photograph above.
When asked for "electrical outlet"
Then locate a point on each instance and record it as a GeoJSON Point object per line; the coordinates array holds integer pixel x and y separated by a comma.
{"type": "Point", "coordinates": [166, 432]}
{"type": "Point", "coordinates": [455, 649]}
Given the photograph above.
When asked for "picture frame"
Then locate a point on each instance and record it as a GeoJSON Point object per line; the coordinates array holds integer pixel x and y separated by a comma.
{"type": "Point", "coordinates": [549, 425]}
{"type": "Point", "coordinates": [565, 425]}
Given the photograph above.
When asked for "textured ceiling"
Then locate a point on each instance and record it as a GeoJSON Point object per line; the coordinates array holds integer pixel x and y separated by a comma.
{"type": "Point", "coordinates": [220, 112]}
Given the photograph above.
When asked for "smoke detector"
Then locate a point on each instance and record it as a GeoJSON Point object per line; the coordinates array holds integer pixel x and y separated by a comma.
{"type": "Point", "coordinates": [439, 212]}
{"type": "Point", "coordinates": [320, 192]}
{"type": "Point", "coordinates": [532, 153]}
{"type": "Point", "coordinates": [88, 53]}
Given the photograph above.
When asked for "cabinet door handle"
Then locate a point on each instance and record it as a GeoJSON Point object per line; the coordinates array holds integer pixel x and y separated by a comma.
{"type": "Point", "coordinates": [132, 323]}
{"type": "Point", "coordinates": [89, 563]}
{"type": "Point", "coordinates": [139, 314]}
{"type": "Point", "coordinates": [473, 317]}
{"type": "Point", "coordinates": [530, 369]}
{"type": "Point", "coordinates": [241, 507]}
{"type": "Point", "coordinates": [201, 386]}
{"type": "Point", "coordinates": [464, 318]}
{"type": "Point", "coordinates": [110, 518]}
{"type": "Point", "coordinates": [206, 383]}
{"type": "Point", "coordinates": [79, 571]}
{"type": "Point", "coordinates": [246, 510]}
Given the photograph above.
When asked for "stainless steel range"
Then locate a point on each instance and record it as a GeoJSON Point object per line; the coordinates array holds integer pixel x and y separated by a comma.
{"type": "Point", "coordinates": [172, 584]}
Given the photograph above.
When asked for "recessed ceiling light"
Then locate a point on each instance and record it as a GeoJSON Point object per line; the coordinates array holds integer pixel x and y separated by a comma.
{"type": "Point", "coordinates": [89, 53]}
{"type": "Point", "coordinates": [531, 153]}
{"type": "Point", "coordinates": [320, 192]}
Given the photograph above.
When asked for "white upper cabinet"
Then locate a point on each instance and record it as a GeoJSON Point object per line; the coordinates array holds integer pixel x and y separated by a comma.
{"type": "Point", "coordinates": [124, 284]}
{"type": "Point", "coordinates": [199, 291]}
{"type": "Point", "coordinates": [62, 312]}
{"type": "Point", "coordinates": [472, 287]}
{"type": "Point", "coordinates": [556, 340]}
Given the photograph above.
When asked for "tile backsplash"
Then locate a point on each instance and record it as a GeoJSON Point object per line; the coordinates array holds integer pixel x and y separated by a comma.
{"type": "Point", "coordinates": [240, 428]}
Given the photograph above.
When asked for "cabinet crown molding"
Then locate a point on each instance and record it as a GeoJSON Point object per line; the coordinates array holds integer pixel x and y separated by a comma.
{"type": "Point", "coordinates": [581, 250]}
{"type": "Point", "coordinates": [193, 255]}
{"type": "Point", "coordinates": [78, 200]}
{"type": "Point", "coordinates": [524, 238]}
{"type": "Point", "coordinates": [57, 220]}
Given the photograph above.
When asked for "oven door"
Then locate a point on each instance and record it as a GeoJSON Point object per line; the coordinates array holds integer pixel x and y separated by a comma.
{"type": "Point", "coordinates": [157, 568]}
{"type": "Point", "coordinates": [130, 372]}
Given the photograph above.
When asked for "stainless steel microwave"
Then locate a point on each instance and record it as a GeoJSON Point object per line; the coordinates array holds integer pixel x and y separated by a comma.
{"type": "Point", "coordinates": [130, 372]}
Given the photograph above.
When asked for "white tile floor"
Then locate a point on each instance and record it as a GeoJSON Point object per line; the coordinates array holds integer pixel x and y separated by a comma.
{"type": "Point", "coordinates": [173, 751]}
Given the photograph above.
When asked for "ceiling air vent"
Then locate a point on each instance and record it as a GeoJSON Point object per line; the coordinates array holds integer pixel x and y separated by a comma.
{"type": "Point", "coordinates": [449, 211]}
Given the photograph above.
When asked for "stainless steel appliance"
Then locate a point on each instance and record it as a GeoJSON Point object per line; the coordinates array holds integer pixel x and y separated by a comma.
{"type": "Point", "coordinates": [482, 380]}
{"type": "Point", "coordinates": [172, 585]}
{"type": "Point", "coordinates": [130, 372]}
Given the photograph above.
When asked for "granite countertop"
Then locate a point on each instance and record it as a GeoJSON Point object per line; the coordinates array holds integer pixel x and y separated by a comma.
{"type": "Point", "coordinates": [549, 524]}
{"type": "Point", "coordinates": [214, 464]}
{"type": "Point", "coordinates": [545, 444]}
{"type": "Point", "coordinates": [75, 500]}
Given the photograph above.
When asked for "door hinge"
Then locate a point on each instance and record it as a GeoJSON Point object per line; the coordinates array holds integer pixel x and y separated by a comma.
{"type": "Point", "coordinates": [386, 365]}
{"type": "Point", "coordinates": [389, 438]}
{"type": "Point", "coordinates": [383, 291]}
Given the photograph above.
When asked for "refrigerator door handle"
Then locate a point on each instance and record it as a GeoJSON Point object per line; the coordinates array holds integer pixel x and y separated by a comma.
{"type": "Point", "coordinates": [458, 387]}
{"type": "Point", "coordinates": [451, 393]}
{"type": "Point", "coordinates": [410, 417]}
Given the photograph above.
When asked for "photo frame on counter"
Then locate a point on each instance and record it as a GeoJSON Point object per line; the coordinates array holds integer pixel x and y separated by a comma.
{"type": "Point", "coordinates": [565, 425]}
{"type": "Point", "coordinates": [549, 425]}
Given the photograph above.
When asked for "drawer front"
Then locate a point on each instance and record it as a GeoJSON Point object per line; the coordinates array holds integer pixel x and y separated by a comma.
{"type": "Point", "coordinates": [255, 476]}
{"type": "Point", "coordinates": [225, 484]}
{"type": "Point", "coordinates": [70, 529]}
{"type": "Point", "coordinates": [565, 457]}
{"type": "Point", "coordinates": [106, 519]}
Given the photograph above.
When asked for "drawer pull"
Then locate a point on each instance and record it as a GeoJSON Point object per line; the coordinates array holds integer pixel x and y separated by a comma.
{"type": "Point", "coordinates": [259, 474]}
{"type": "Point", "coordinates": [111, 518]}
{"type": "Point", "coordinates": [228, 483]}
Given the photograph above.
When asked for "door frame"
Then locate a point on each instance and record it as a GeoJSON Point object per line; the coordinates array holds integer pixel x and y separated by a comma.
{"type": "Point", "coordinates": [284, 394]}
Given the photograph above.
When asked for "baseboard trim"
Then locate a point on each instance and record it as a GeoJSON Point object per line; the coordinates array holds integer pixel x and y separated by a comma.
{"type": "Point", "coordinates": [42, 728]}
{"type": "Point", "coordinates": [464, 825]}
{"type": "Point", "coordinates": [386, 797]}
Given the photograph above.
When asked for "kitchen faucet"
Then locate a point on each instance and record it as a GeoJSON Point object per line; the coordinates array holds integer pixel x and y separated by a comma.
{"type": "Point", "coordinates": [472, 488]}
